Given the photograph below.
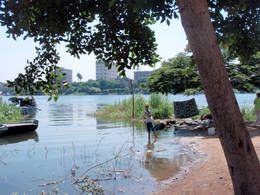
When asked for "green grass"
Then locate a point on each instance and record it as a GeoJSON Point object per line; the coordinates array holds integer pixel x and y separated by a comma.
{"type": "Point", "coordinates": [248, 113]}
{"type": "Point", "coordinates": [9, 113]}
{"type": "Point", "coordinates": [160, 107]}
{"type": "Point", "coordinates": [204, 110]}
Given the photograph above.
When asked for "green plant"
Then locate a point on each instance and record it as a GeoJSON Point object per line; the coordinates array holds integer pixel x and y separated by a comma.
{"type": "Point", "coordinates": [160, 106]}
{"type": "Point", "coordinates": [204, 110]}
{"type": "Point", "coordinates": [9, 113]}
{"type": "Point", "coordinates": [248, 113]}
{"type": "Point", "coordinates": [155, 100]}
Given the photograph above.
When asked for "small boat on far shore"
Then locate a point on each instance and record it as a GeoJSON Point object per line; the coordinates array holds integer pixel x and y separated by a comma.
{"type": "Point", "coordinates": [28, 105]}
{"type": "Point", "coordinates": [14, 128]}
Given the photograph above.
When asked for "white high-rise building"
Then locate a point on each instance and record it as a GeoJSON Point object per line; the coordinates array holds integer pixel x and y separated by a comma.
{"type": "Point", "coordinates": [68, 74]}
{"type": "Point", "coordinates": [102, 72]}
{"type": "Point", "coordinates": [141, 75]}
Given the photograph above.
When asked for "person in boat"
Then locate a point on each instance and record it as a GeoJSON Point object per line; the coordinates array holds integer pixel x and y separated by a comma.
{"type": "Point", "coordinates": [27, 102]}
{"type": "Point", "coordinates": [149, 122]}
{"type": "Point", "coordinates": [257, 108]}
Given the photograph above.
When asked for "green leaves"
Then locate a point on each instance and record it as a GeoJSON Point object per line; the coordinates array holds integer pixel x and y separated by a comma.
{"type": "Point", "coordinates": [116, 32]}
{"type": "Point", "coordinates": [237, 25]}
{"type": "Point", "coordinates": [41, 73]}
{"type": "Point", "coordinates": [180, 75]}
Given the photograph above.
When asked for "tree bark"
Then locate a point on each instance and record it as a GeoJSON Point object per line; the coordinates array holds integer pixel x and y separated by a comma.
{"type": "Point", "coordinates": [241, 157]}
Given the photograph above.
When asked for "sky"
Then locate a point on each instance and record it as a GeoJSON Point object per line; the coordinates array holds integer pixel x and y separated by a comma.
{"type": "Point", "coordinates": [15, 53]}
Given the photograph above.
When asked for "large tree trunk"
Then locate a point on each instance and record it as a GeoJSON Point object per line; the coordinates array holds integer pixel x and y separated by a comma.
{"type": "Point", "coordinates": [241, 157]}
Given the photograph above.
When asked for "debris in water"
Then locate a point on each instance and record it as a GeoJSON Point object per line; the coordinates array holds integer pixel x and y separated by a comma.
{"type": "Point", "coordinates": [51, 183]}
{"type": "Point", "coordinates": [121, 190]}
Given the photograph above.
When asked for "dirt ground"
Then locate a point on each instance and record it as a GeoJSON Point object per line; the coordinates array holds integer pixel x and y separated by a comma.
{"type": "Point", "coordinates": [211, 177]}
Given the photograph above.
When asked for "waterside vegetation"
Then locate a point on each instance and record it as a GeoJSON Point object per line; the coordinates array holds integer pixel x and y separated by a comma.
{"type": "Point", "coordinates": [160, 106]}
{"type": "Point", "coordinates": [93, 87]}
{"type": "Point", "coordinates": [9, 113]}
{"type": "Point", "coordinates": [248, 113]}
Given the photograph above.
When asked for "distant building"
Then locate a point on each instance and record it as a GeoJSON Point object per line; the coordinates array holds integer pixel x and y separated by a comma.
{"type": "Point", "coordinates": [68, 74]}
{"type": "Point", "coordinates": [141, 75]}
{"type": "Point", "coordinates": [102, 72]}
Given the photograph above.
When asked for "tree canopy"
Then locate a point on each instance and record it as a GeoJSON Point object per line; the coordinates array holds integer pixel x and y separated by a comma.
{"type": "Point", "coordinates": [177, 75]}
{"type": "Point", "coordinates": [180, 75]}
{"type": "Point", "coordinates": [79, 76]}
{"type": "Point", "coordinates": [115, 31]}
{"type": "Point", "coordinates": [237, 25]}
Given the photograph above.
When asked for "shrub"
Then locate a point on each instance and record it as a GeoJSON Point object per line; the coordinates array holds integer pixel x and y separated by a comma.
{"type": "Point", "coordinates": [9, 113]}
{"type": "Point", "coordinates": [204, 110]}
{"type": "Point", "coordinates": [248, 113]}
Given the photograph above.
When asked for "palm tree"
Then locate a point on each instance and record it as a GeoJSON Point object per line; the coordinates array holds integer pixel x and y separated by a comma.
{"type": "Point", "coordinates": [79, 76]}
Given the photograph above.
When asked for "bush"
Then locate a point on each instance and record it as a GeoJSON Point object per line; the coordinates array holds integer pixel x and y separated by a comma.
{"type": "Point", "coordinates": [204, 110]}
{"type": "Point", "coordinates": [248, 113]}
{"type": "Point", "coordinates": [9, 113]}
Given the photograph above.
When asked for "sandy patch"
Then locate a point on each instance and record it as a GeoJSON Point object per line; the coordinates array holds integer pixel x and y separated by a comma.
{"type": "Point", "coordinates": [210, 176]}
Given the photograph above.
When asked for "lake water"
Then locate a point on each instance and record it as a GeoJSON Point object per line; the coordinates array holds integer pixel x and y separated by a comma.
{"type": "Point", "coordinates": [68, 143]}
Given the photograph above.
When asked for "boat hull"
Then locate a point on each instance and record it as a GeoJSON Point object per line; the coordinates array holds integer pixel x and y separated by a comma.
{"type": "Point", "coordinates": [15, 128]}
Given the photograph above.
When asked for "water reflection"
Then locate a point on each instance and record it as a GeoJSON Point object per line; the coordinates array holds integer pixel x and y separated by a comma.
{"type": "Point", "coordinates": [160, 167]}
{"type": "Point", "coordinates": [100, 106]}
{"type": "Point", "coordinates": [60, 114]}
{"type": "Point", "coordinates": [12, 139]}
{"type": "Point", "coordinates": [104, 124]}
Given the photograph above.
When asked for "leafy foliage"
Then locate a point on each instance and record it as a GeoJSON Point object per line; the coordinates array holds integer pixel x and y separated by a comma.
{"type": "Point", "coordinates": [79, 76]}
{"type": "Point", "coordinates": [248, 113]}
{"type": "Point", "coordinates": [92, 87]}
{"type": "Point", "coordinates": [177, 75]}
{"type": "Point", "coordinates": [180, 75]}
{"type": "Point", "coordinates": [237, 25]}
{"type": "Point", "coordinates": [10, 113]}
{"type": "Point", "coordinates": [115, 31]}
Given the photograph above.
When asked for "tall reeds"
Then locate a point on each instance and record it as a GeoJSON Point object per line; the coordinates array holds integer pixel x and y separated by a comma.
{"type": "Point", "coordinates": [160, 107]}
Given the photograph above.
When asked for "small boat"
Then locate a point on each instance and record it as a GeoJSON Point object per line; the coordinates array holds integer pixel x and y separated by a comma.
{"type": "Point", "coordinates": [14, 128]}
{"type": "Point", "coordinates": [28, 105]}
{"type": "Point", "coordinates": [28, 110]}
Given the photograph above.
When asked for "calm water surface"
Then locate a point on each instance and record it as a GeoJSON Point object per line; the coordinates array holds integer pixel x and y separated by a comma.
{"type": "Point", "coordinates": [68, 140]}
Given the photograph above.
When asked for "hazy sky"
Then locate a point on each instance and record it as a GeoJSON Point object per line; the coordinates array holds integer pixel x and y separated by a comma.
{"type": "Point", "coordinates": [14, 53]}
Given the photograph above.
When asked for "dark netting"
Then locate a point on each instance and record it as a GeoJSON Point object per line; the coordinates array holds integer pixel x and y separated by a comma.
{"type": "Point", "coordinates": [185, 109]}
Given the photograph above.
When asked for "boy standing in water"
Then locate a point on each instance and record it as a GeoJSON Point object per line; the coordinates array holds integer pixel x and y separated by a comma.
{"type": "Point", "coordinates": [257, 108]}
{"type": "Point", "coordinates": [149, 122]}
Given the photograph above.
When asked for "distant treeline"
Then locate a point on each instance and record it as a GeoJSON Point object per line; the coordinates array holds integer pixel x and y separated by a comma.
{"type": "Point", "coordinates": [95, 87]}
